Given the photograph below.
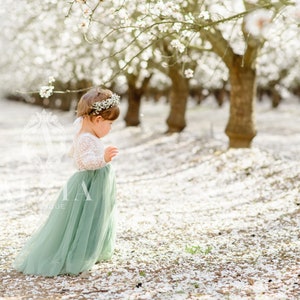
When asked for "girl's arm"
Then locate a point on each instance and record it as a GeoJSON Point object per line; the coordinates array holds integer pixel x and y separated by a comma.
{"type": "Point", "coordinates": [89, 154]}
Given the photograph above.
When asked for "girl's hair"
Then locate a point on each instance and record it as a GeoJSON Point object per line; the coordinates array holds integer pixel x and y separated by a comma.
{"type": "Point", "coordinates": [84, 107]}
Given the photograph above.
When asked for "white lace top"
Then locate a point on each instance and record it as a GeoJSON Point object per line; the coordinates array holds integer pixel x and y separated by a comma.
{"type": "Point", "coordinates": [88, 152]}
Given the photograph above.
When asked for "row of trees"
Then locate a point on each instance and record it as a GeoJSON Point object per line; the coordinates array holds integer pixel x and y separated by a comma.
{"type": "Point", "coordinates": [179, 45]}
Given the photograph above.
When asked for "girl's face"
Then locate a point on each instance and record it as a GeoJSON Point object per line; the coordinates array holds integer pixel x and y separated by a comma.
{"type": "Point", "coordinates": [101, 127]}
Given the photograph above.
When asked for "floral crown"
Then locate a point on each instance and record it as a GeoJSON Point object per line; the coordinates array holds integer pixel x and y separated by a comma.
{"type": "Point", "coordinates": [99, 106]}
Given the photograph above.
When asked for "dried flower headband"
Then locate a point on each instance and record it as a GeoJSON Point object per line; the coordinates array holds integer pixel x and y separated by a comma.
{"type": "Point", "coordinates": [99, 106]}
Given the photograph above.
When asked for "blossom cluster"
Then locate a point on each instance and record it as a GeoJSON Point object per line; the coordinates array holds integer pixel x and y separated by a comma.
{"type": "Point", "coordinates": [258, 22]}
{"type": "Point", "coordinates": [47, 90]}
{"type": "Point", "coordinates": [69, 47]}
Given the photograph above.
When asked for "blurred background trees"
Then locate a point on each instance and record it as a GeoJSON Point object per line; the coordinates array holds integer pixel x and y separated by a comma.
{"type": "Point", "coordinates": [237, 51]}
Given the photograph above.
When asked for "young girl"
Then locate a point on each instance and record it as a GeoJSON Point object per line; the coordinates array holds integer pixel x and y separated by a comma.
{"type": "Point", "coordinates": [80, 229]}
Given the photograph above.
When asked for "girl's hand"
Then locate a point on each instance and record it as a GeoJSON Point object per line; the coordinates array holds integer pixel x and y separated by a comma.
{"type": "Point", "coordinates": [109, 153]}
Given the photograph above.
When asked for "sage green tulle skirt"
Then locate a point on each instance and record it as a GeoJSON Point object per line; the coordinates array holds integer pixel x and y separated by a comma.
{"type": "Point", "coordinates": [79, 231]}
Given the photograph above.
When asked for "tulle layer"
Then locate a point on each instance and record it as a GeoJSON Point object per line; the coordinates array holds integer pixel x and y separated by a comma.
{"type": "Point", "coordinates": [79, 231]}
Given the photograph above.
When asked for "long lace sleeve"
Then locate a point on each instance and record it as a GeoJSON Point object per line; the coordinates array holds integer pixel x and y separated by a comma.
{"type": "Point", "coordinates": [88, 152]}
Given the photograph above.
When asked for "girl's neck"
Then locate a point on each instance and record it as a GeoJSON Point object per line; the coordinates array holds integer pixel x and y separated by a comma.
{"type": "Point", "coordinates": [86, 127]}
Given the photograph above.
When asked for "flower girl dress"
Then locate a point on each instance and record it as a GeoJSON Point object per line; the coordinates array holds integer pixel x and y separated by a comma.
{"type": "Point", "coordinates": [80, 229]}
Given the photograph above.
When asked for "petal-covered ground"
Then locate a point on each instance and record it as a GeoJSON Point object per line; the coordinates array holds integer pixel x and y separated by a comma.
{"type": "Point", "coordinates": [196, 220]}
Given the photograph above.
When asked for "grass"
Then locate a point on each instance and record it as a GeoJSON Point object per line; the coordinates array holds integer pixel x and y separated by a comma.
{"type": "Point", "coordinates": [198, 250]}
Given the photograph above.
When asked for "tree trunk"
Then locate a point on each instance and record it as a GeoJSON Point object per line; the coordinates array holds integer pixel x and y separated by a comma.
{"type": "Point", "coordinates": [220, 95]}
{"type": "Point", "coordinates": [276, 97]}
{"type": "Point", "coordinates": [242, 76]}
{"type": "Point", "coordinates": [132, 117]}
{"type": "Point", "coordinates": [241, 125]}
{"type": "Point", "coordinates": [178, 100]}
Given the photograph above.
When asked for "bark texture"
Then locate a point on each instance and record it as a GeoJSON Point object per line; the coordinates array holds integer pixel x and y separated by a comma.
{"type": "Point", "coordinates": [132, 116]}
{"type": "Point", "coordinates": [240, 128]}
{"type": "Point", "coordinates": [241, 124]}
{"type": "Point", "coordinates": [178, 100]}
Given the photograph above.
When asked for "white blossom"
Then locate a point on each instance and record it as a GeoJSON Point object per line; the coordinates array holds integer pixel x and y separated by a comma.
{"type": "Point", "coordinates": [163, 27]}
{"type": "Point", "coordinates": [188, 73]}
{"type": "Point", "coordinates": [155, 10]}
{"type": "Point", "coordinates": [204, 15]}
{"type": "Point", "coordinates": [86, 11]}
{"type": "Point", "coordinates": [46, 91]}
{"type": "Point", "coordinates": [123, 14]}
{"type": "Point", "coordinates": [178, 45]}
{"type": "Point", "coordinates": [169, 8]}
{"type": "Point", "coordinates": [51, 79]}
{"type": "Point", "coordinates": [176, 27]}
{"type": "Point", "coordinates": [296, 12]}
{"type": "Point", "coordinates": [257, 22]}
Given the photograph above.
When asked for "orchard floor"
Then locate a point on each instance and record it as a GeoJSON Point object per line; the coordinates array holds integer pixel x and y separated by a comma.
{"type": "Point", "coordinates": [196, 220]}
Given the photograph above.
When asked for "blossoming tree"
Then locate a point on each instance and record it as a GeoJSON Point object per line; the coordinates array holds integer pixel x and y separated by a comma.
{"type": "Point", "coordinates": [135, 38]}
{"type": "Point", "coordinates": [42, 43]}
{"type": "Point", "coordinates": [148, 49]}
{"type": "Point", "coordinates": [234, 30]}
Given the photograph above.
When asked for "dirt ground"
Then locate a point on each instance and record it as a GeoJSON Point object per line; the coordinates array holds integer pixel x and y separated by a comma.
{"type": "Point", "coordinates": [195, 221]}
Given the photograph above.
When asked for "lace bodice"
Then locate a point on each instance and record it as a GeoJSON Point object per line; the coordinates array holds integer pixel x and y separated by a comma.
{"type": "Point", "coordinates": [88, 152]}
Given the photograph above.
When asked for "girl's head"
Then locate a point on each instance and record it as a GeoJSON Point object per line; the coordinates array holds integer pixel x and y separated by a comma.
{"type": "Point", "coordinates": [99, 102]}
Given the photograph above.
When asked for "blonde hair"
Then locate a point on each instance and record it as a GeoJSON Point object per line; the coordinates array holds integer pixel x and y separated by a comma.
{"type": "Point", "coordinates": [84, 107]}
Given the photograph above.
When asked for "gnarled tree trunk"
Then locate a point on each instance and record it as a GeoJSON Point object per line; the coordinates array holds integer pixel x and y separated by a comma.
{"type": "Point", "coordinates": [178, 99]}
{"type": "Point", "coordinates": [241, 124]}
{"type": "Point", "coordinates": [132, 117]}
{"type": "Point", "coordinates": [242, 76]}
